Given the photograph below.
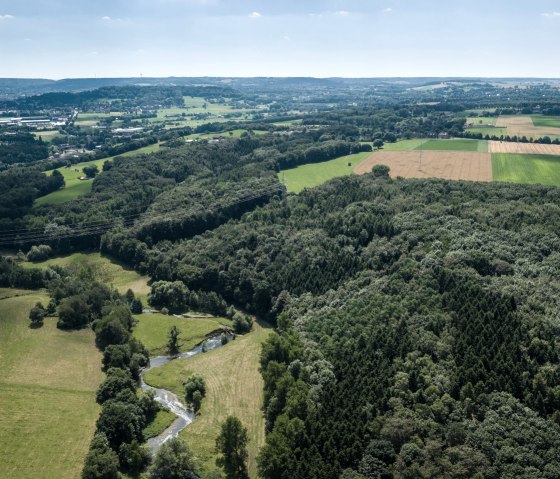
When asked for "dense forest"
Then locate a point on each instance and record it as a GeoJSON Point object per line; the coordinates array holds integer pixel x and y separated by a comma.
{"type": "Point", "coordinates": [416, 320]}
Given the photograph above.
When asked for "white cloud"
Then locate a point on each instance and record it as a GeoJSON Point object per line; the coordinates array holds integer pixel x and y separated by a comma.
{"type": "Point", "coordinates": [255, 15]}
{"type": "Point", "coordinates": [387, 10]}
{"type": "Point", "coordinates": [6, 17]}
{"type": "Point", "coordinates": [107, 18]}
{"type": "Point", "coordinates": [551, 15]}
{"type": "Point", "coordinates": [342, 13]}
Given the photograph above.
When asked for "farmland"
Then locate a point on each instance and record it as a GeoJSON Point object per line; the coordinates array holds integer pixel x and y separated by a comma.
{"type": "Point", "coordinates": [514, 168]}
{"type": "Point", "coordinates": [310, 175]}
{"type": "Point", "coordinates": [523, 126]}
{"type": "Point", "coordinates": [47, 393]}
{"type": "Point", "coordinates": [432, 164]}
{"type": "Point", "coordinates": [543, 121]}
{"type": "Point", "coordinates": [454, 145]}
{"type": "Point", "coordinates": [523, 148]}
{"type": "Point", "coordinates": [234, 386]}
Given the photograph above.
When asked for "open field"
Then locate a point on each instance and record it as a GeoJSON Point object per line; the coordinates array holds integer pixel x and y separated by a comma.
{"type": "Point", "coordinates": [152, 330]}
{"type": "Point", "coordinates": [523, 148]}
{"type": "Point", "coordinates": [47, 135]}
{"type": "Point", "coordinates": [104, 269]}
{"type": "Point", "coordinates": [543, 121]}
{"type": "Point", "coordinates": [228, 134]}
{"type": "Point", "coordinates": [454, 145]}
{"type": "Point", "coordinates": [314, 174]}
{"type": "Point", "coordinates": [448, 165]}
{"type": "Point", "coordinates": [234, 387]}
{"type": "Point", "coordinates": [488, 130]}
{"type": "Point", "coordinates": [524, 126]}
{"type": "Point", "coordinates": [513, 168]}
{"type": "Point", "coordinates": [76, 187]}
{"type": "Point", "coordinates": [482, 121]}
{"type": "Point", "coordinates": [47, 394]}
{"type": "Point", "coordinates": [404, 145]}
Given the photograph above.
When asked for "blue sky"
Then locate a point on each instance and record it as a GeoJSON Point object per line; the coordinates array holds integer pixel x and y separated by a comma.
{"type": "Point", "coordinates": [322, 38]}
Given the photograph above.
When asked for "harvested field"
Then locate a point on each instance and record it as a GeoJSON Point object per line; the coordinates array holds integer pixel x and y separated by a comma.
{"type": "Point", "coordinates": [449, 165]}
{"type": "Point", "coordinates": [523, 148]}
{"type": "Point", "coordinates": [524, 126]}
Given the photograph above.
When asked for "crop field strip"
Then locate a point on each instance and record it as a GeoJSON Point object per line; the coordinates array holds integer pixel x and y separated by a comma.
{"type": "Point", "coordinates": [450, 165]}
{"type": "Point", "coordinates": [523, 148]}
{"type": "Point", "coordinates": [515, 168]}
{"type": "Point", "coordinates": [524, 126]}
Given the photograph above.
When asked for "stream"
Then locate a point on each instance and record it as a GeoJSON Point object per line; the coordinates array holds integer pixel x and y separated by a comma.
{"type": "Point", "coordinates": [170, 400]}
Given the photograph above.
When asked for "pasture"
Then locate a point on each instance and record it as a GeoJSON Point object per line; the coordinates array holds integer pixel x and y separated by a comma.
{"type": "Point", "coordinates": [454, 145]}
{"type": "Point", "coordinates": [75, 187]}
{"type": "Point", "coordinates": [543, 121]}
{"type": "Point", "coordinates": [47, 393]}
{"type": "Point", "coordinates": [103, 269]}
{"type": "Point", "coordinates": [152, 330]}
{"type": "Point", "coordinates": [514, 168]}
{"type": "Point", "coordinates": [450, 165]}
{"type": "Point", "coordinates": [234, 387]}
{"type": "Point", "coordinates": [314, 174]}
{"type": "Point", "coordinates": [488, 130]}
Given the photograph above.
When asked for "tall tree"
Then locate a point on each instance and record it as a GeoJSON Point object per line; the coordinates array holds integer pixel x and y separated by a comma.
{"type": "Point", "coordinates": [173, 341]}
{"type": "Point", "coordinates": [232, 445]}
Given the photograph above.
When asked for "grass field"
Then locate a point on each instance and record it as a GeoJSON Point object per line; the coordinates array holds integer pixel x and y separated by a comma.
{"type": "Point", "coordinates": [46, 135]}
{"type": "Point", "coordinates": [161, 422]}
{"type": "Point", "coordinates": [543, 121]}
{"type": "Point", "coordinates": [104, 269]}
{"type": "Point", "coordinates": [404, 145]}
{"type": "Point", "coordinates": [489, 130]}
{"type": "Point", "coordinates": [234, 387]}
{"type": "Point", "coordinates": [152, 330]}
{"type": "Point", "coordinates": [308, 176]}
{"type": "Point", "coordinates": [455, 145]}
{"type": "Point", "coordinates": [543, 169]}
{"type": "Point", "coordinates": [228, 134]}
{"type": "Point", "coordinates": [75, 187]}
{"type": "Point", "coordinates": [47, 393]}
{"type": "Point", "coordinates": [482, 121]}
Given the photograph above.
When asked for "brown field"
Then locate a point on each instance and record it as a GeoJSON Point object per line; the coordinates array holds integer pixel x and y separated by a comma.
{"type": "Point", "coordinates": [448, 165]}
{"type": "Point", "coordinates": [523, 126]}
{"type": "Point", "coordinates": [523, 148]}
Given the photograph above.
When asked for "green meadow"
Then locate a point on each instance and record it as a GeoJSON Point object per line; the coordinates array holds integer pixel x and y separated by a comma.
{"type": "Point", "coordinates": [455, 145]}
{"type": "Point", "coordinates": [47, 393]}
{"type": "Point", "coordinates": [543, 169]}
{"type": "Point", "coordinates": [310, 175]}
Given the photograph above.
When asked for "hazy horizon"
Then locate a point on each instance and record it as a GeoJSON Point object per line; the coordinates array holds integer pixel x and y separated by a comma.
{"type": "Point", "coordinates": [249, 38]}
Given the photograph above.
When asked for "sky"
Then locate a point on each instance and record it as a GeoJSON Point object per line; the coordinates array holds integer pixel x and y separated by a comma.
{"type": "Point", "coordinates": [320, 38]}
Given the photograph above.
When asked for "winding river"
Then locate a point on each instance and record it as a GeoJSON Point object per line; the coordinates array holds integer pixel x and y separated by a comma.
{"type": "Point", "coordinates": [170, 400]}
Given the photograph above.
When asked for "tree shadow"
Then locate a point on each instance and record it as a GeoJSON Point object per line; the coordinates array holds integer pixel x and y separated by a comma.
{"type": "Point", "coordinates": [36, 325]}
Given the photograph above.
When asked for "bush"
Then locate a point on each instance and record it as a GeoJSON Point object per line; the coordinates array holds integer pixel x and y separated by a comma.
{"type": "Point", "coordinates": [174, 460]}
{"type": "Point", "coordinates": [242, 323]}
{"type": "Point", "coordinates": [39, 253]}
{"type": "Point", "coordinates": [195, 382]}
{"type": "Point", "coordinates": [37, 314]}
{"type": "Point", "coordinates": [101, 462]}
{"type": "Point", "coordinates": [73, 312]}
{"type": "Point", "coordinates": [90, 171]}
{"type": "Point", "coordinates": [136, 306]}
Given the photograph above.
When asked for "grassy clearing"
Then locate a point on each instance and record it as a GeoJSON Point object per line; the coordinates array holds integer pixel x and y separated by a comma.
{"type": "Point", "coordinates": [543, 169]}
{"type": "Point", "coordinates": [104, 269]}
{"type": "Point", "coordinates": [546, 121]}
{"type": "Point", "coordinates": [234, 387]}
{"type": "Point", "coordinates": [47, 393]}
{"type": "Point", "coordinates": [161, 422]}
{"type": "Point", "coordinates": [228, 134]}
{"type": "Point", "coordinates": [47, 135]}
{"type": "Point", "coordinates": [455, 145]}
{"type": "Point", "coordinates": [75, 187]}
{"type": "Point", "coordinates": [152, 330]}
{"type": "Point", "coordinates": [308, 176]}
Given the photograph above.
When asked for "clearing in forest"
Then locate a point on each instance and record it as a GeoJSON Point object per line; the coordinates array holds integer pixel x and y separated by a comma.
{"type": "Point", "coordinates": [234, 386]}
{"type": "Point", "coordinates": [47, 393]}
{"type": "Point", "coordinates": [448, 165]}
{"type": "Point", "coordinates": [542, 169]}
{"type": "Point", "coordinates": [523, 148]}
